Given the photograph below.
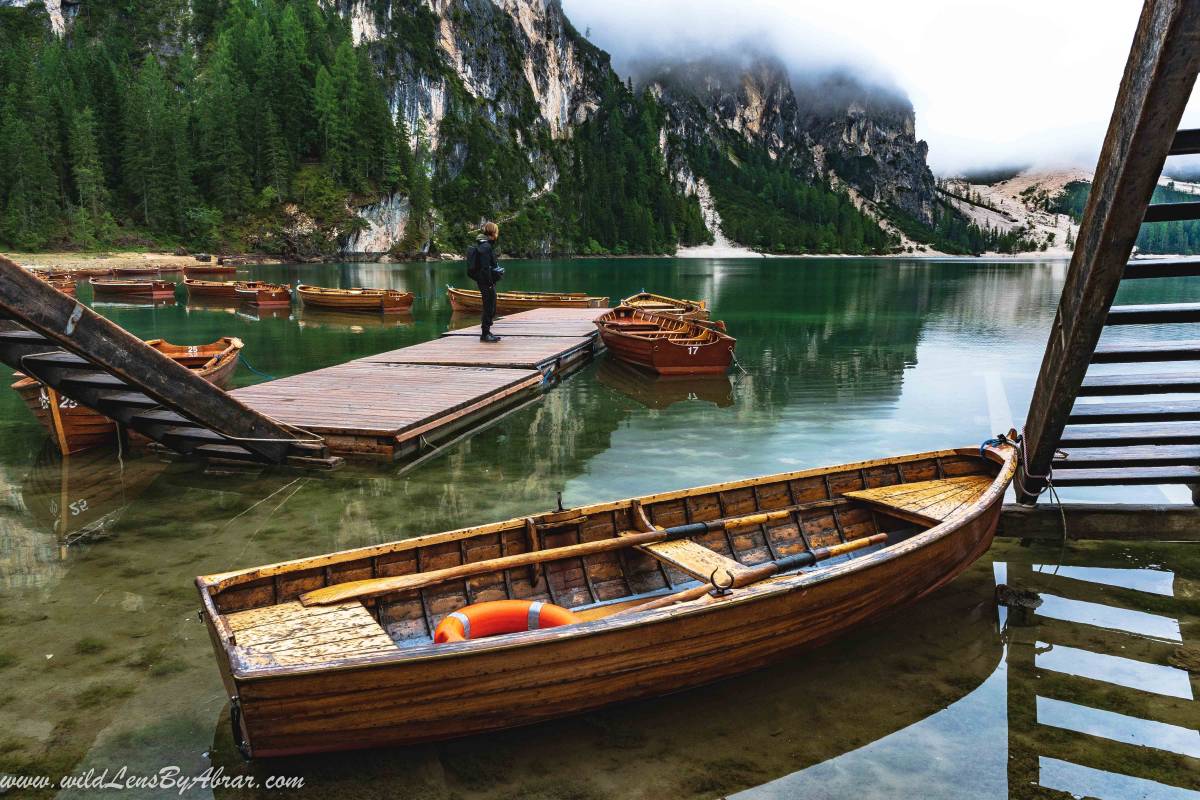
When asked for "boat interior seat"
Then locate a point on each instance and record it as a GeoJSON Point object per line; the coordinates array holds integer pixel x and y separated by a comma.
{"type": "Point", "coordinates": [290, 633]}
{"type": "Point", "coordinates": [925, 502]}
{"type": "Point", "coordinates": [693, 558]}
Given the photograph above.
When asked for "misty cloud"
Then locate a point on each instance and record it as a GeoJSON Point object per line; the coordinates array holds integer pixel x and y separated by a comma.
{"type": "Point", "coordinates": [993, 84]}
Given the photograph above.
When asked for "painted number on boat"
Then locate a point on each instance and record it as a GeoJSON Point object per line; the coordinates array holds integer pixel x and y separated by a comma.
{"type": "Point", "coordinates": [693, 349]}
{"type": "Point", "coordinates": [66, 402]}
{"type": "Point", "coordinates": [193, 350]}
{"type": "Point", "coordinates": [78, 507]}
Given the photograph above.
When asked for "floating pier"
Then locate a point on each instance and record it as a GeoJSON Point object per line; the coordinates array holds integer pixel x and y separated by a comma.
{"type": "Point", "coordinates": [397, 404]}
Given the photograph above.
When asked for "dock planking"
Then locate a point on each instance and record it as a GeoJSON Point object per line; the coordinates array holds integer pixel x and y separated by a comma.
{"type": "Point", "coordinates": [396, 404]}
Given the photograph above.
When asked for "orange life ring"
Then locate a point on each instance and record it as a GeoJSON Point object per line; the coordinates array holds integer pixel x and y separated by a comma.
{"type": "Point", "coordinates": [501, 616]}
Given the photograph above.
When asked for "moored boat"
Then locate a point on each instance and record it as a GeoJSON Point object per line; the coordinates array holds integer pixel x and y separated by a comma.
{"type": "Point", "coordinates": [471, 301]}
{"type": "Point", "coordinates": [217, 290]}
{"type": "Point", "coordinates": [63, 281]}
{"type": "Point", "coordinates": [133, 288]}
{"type": "Point", "coordinates": [144, 271]}
{"type": "Point", "coordinates": [75, 428]}
{"type": "Point", "coordinates": [667, 306]}
{"type": "Point", "coordinates": [264, 295]}
{"type": "Point", "coordinates": [386, 301]}
{"type": "Point", "coordinates": [211, 268]}
{"type": "Point", "coordinates": [655, 594]}
{"type": "Point", "coordinates": [665, 345]}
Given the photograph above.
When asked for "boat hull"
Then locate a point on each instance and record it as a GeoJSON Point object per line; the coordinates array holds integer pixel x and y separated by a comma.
{"type": "Point", "coordinates": [471, 301]}
{"type": "Point", "coordinates": [134, 289]}
{"type": "Point", "coordinates": [666, 345]}
{"type": "Point", "coordinates": [265, 295]}
{"type": "Point", "coordinates": [440, 692]}
{"type": "Point", "coordinates": [217, 290]}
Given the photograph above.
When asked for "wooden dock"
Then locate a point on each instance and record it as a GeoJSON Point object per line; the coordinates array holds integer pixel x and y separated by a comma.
{"type": "Point", "coordinates": [400, 403]}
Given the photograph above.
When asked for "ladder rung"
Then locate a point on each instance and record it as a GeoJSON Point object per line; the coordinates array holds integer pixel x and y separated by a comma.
{"type": "Point", "coordinates": [60, 359]}
{"type": "Point", "coordinates": [1141, 476]}
{"type": "Point", "coordinates": [1147, 455]}
{"type": "Point", "coordinates": [1163, 383]}
{"type": "Point", "coordinates": [100, 380]}
{"type": "Point", "coordinates": [163, 416]}
{"type": "Point", "coordinates": [1172, 212]}
{"type": "Point", "coordinates": [1154, 314]}
{"type": "Point", "coordinates": [1130, 434]}
{"type": "Point", "coordinates": [1168, 411]}
{"type": "Point", "coordinates": [1141, 352]}
{"type": "Point", "coordinates": [134, 399]}
{"type": "Point", "coordinates": [1186, 143]}
{"type": "Point", "coordinates": [1135, 270]}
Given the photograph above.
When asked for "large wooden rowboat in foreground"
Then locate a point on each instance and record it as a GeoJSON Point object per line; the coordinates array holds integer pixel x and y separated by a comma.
{"type": "Point", "coordinates": [335, 652]}
{"type": "Point", "coordinates": [385, 301]}
{"type": "Point", "coordinates": [471, 301]}
{"type": "Point", "coordinates": [667, 345]}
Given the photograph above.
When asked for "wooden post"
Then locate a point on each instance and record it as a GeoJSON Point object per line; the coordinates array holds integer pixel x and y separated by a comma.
{"type": "Point", "coordinates": [1158, 82]}
{"type": "Point", "coordinates": [78, 329]}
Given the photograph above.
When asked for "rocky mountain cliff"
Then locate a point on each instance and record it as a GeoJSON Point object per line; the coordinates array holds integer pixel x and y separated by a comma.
{"type": "Point", "coordinates": [516, 116]}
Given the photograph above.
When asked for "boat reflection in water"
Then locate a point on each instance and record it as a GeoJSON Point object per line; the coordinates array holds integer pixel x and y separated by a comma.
{"type": "Point", "coordinates": [355, 322]}
{"type": "Point", "coordinates": [259, 313]}
{"type": "Point", "coordinates": [83, 496]}
{"type": "Point", "coordinates": [718, 739]}
{"type": "Point", "coordinates": [661, 391]}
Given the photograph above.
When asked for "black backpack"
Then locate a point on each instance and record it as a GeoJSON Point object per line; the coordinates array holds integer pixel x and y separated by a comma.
{"type": "Point", "coordinates": [473, 262]}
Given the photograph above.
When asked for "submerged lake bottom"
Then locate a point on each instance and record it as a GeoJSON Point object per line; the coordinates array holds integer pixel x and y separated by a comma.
{"type": "Point", "coordinates": [104, 665]}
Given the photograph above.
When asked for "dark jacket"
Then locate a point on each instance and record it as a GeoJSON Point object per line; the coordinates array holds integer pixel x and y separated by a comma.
{"type": "Point", "coordinates": [490, 272]}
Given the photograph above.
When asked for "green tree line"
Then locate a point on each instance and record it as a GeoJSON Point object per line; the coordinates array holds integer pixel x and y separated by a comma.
{"type": "Point", "coordinates": [1180, 237]}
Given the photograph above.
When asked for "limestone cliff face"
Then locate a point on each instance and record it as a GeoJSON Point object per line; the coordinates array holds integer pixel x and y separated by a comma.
{"type": "Point", "coordinates": [832, 128]}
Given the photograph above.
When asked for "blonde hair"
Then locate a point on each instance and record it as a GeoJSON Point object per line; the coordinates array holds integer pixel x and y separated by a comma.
{"type": "Point", "coordinates": [491, 230]}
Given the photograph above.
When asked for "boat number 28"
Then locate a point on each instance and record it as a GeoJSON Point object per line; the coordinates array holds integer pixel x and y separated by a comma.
{"type": "Point", "coordinates": [693, 349]}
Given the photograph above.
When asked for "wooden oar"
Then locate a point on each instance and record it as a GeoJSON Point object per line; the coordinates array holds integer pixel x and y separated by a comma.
{"type": "Point", "coordinates": [373, 587]}
{"type": "Point", "coordinates": [759, 573]}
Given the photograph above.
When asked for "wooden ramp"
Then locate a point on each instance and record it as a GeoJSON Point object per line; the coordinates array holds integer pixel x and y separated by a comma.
{"type": "Point", "coordinates": [925, 502]}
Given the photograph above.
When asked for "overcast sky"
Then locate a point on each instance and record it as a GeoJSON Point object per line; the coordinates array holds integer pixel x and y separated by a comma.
{"type": "Point", "coordinates": [993, 83]}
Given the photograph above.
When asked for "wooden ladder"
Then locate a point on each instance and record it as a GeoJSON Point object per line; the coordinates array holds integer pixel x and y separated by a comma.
{"type": "Point", "coordinates": [1117, 441]}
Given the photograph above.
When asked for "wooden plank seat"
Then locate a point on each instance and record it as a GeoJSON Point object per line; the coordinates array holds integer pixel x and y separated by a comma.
{"type": "Point", "coordinates": [290, 633]}
{"type": "Point", "coordinates": [925, 502]}
{"type": "Point", "coordinates": [694, 559]}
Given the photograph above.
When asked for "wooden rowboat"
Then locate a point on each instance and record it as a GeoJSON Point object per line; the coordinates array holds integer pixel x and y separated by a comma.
{"type": "Point", "coordinates": [666, 345]}
{"type": "Point", "coordinates": [471, 301]}
{"type": "Point", "coordinates": [667, 306]}
{"type": "Point", "coordinates": [75, 428]}
{"type": "Point", "coordinates": [386, 301]}
{"type": "Point", "coordinates": [216, 290]}
{"type": "Point", "coordinates": [671, 590]}
{"type": "Point", "coordinates": [264, 295]}
{"type": "Point", "coordinates": [63, 281]}
{"type": "Point", "coordinates": [212, 268]}
{"type": "Point", "coordinates": [138, 271]}
{"type": "Point", "coordinates": [133, 288]}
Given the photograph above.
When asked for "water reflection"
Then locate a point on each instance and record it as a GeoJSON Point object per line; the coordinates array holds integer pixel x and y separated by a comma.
{"type": "Point", "coordinates": [662, 391]}
{"type": "Point", "coordinates": [355, 322]}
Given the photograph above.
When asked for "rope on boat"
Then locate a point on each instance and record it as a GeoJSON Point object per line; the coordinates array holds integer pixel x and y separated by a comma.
{"type": "Point", "coordinates": [738, 364]}
{"type": "Point", "coordinates": [1047, 479]}
{"type": "Point", "coordinates": [252, 368]}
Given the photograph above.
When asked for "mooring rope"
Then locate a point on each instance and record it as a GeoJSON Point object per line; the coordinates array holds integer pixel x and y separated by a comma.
{"type": "Point", "coordinates": [252, 368]}
{"type": "Point", "coordinates": [1047, 479]}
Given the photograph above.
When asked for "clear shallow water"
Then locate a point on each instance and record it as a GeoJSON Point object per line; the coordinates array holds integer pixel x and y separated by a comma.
{"type": "Point", "coordinates": [103, 664]}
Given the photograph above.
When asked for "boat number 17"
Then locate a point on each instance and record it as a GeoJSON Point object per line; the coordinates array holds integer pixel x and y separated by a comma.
{"type": "Point", "coordinates": [693, 349]}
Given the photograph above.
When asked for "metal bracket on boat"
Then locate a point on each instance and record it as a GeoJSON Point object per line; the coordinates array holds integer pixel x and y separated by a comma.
{"type": "Point", "coordinates": [235, 722]}
{"type": "Point", "coordinates": [720, 590]}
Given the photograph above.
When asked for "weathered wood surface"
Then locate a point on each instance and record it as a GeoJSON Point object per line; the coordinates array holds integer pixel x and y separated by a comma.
{"type": "Point", "coordinates": [378, 399]}
{"type": "Point", "coordinates": [1150, 411]}
{"type": "Point", "coordinates": [1080, 436]}
{"type": "Point", "coordinates": [1158, 80]}
{"type": "Point", "coordinates": [120, 353]}
{"type": "Point", "coordinates": [1141, 352]}
{"type": "Point", "coordinates": [290, 633]}
{"type": "Point", "coordinates": [520, 352]}
{"type": "Point", "coordinates": [1065, 475]}
{"type": "Point", "coordinates": [415, 694]}
{"type": "Point", "coordinates": [1162, 268]}
{"type": "Point", "coordinates": [1154, 314]}
{"type": "Point", "coordinates": [1140, 383]}
{"type": "Point", "coordinates": [1172, 212]}
{"type": "Point", "coordinates": [541, 322]}
{"type": "Point", "coordinates": [926, 501]}
{"type": "Point", "coordinates": [1165, 523]}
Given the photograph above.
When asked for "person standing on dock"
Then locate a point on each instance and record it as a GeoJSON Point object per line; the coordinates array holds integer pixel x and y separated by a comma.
{"type": "Point", "coordinates": [483, 268]}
